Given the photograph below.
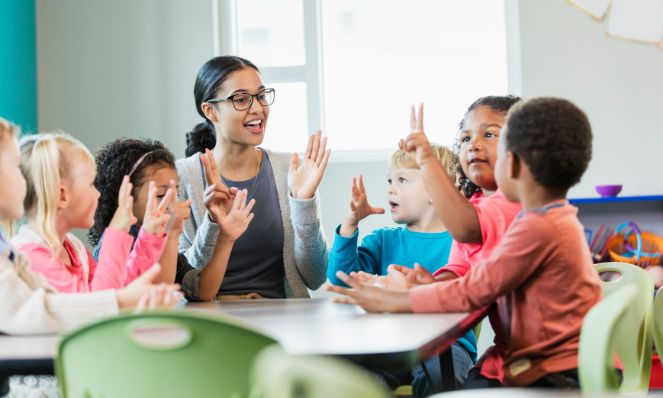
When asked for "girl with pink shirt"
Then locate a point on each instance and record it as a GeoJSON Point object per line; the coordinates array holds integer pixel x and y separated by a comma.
{"type": "Point", "coordinates": [61, 196]}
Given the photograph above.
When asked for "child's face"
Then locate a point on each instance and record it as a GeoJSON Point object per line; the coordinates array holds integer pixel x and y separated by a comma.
{"type": "Point", "coordinates": [12, 188]}
{"type": "Point", "coordinates": [161, 175]}
{"type": "Point", "coordinates": [408, 198]}
{"type": "Point", "coordinates": [503, 170]}
{"type": "Point", "coordinates": [83, 196]}
{"type": "Point", "coordinates": [233, 123]}
{"type": "Point", "coordinates": [478, 146]}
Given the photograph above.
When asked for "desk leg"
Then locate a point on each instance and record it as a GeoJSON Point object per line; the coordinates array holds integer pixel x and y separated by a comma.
{"type": "Point", "coordinates": [448, 373]}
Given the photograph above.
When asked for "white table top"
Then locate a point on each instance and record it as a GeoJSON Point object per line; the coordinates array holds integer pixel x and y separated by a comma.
{"type": "Point", "coordinates": [305, 326]}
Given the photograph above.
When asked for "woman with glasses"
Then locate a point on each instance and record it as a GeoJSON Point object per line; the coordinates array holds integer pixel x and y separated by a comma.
{"type": "Point", "coordinates": [283, 251]}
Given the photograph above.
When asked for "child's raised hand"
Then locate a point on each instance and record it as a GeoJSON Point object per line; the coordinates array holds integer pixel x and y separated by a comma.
{"type": "Point", "coordinates": [217, 193]}
{"type": "Point", "coordinates": [417, 141]}
{"type": "Point", "coordinates": [359, 207]}
{"type": "Point", "coordinates": [305, 175]}
{"type": "Point", "coordinates": [180, 210]}
{"type": "Point", "coordinates": [124, 217]}
{"type": "Point", "coordinates": [156, 213]}
{"type": "Point", "coordinates": [237, 220]}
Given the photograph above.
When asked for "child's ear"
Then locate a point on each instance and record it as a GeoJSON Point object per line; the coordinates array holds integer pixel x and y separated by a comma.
{"type": "Point", "coordinates": [210, 112]}
{"type": "Point", "coordinates": [63, 198]}
{"type": "Point", "coordinates": [513, 165]}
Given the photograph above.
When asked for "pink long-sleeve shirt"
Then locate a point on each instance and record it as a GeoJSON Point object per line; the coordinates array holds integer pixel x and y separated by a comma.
{"type": "Point", "coordinates": [543, 276]}
{"type": "Point", "coordinates": [118, 265]}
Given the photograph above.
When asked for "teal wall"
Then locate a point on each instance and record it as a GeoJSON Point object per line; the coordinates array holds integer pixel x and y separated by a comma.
{"type": "Point", "coordinates": [18, 63]}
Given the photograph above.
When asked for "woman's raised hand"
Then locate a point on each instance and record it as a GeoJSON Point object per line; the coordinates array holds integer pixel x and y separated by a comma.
{"type": "Point", "coordinates": [305, 175]}
{"type": "Point", "coordinates": [217, 194]}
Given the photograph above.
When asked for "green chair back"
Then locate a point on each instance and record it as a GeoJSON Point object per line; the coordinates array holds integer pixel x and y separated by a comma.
{"type": "Point", "coordinates": [634, 346]}
{"type": "Point", "coordinates": [276, 374]}
{"type": "Point", "coordinates": [606, 332]}
{"type": "Point", "coordinates": [167, 354]}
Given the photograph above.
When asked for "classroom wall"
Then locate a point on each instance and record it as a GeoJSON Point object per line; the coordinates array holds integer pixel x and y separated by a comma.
{"type": "Point", "coordinates": [618, 83]}
{"type": "Point", "coordinates": [121, 68]}
{"type": "Point", "coordinates": [18, 63]}
{"type": "Point", "coordinates": [554, 49]}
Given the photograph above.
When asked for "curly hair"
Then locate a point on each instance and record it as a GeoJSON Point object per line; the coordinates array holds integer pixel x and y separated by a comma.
{"type": "Point", "coordinates": [114, 161]}
{"type": "Point", "coordinates": [498, 103]}
{"type": "Point", "coordinates": [553, 137]}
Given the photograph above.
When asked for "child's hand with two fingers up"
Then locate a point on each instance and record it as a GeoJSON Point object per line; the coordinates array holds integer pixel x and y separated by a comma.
{"type": "Point", "coordinates": [417, 141]}
{"type": "Point", "coordinates": [156, 213]}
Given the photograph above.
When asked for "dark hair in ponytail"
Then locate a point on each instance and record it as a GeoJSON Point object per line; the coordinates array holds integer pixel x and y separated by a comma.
{"type": "Point", "coordinates": [210, 78]}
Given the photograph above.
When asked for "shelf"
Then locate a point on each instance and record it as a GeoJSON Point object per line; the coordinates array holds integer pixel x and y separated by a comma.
{"type": "Point", "coordinates": [617, 199]}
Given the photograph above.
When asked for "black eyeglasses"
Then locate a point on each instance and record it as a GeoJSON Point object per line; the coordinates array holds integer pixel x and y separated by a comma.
{"type": "Point", "coordinates": [243, 101]}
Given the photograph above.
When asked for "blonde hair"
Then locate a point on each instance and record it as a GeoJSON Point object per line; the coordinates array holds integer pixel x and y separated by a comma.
{"type": "Point", "coordinates": [50, 161]}
{"type": "Point", "coordinates": [443, 154]}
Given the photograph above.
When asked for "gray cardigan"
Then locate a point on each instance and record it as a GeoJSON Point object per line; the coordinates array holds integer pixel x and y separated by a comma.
{"type": "Point", "coordinates": [304, 246]}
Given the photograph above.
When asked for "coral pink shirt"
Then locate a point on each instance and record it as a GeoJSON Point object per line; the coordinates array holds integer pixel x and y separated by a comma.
{"type": "Point", "coordinates": [495, 214]}
{"type": "Point", "coordinates": [118, 264]}
{"type": "Point", "coordinates": [544, 282]}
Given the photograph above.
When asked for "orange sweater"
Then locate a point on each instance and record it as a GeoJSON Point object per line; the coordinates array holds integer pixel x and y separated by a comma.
{"type": "Point", "coordinates": [544, 278]}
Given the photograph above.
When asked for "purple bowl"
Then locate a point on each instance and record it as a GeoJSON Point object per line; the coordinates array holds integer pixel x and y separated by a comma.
{"type": "Point", "coordinates": [608, 191]}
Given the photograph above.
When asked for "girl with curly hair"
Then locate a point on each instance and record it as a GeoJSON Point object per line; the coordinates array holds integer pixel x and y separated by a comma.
{"type": "Point", "coordinates": [61, 197]}
{"type": "Point", "coordinates": [148, 162]}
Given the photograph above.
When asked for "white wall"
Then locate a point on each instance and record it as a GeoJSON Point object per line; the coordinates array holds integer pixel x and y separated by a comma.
{"type": "Point", "coordinates": [121, 68]}
{"type": "Point", "coordinates": [618, 83]}
{"type": "Point", "coordinates": [126, 68]}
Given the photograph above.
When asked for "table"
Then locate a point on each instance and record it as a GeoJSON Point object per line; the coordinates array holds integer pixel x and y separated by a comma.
{"type": "Point", "coordinates": [302, 326]}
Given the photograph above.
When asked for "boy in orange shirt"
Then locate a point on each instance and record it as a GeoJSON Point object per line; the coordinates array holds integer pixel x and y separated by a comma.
{"type": "Point", "coordinates": [542, 267]}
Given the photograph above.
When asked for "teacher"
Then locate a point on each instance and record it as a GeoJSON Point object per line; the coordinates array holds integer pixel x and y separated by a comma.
{"type": "Point", "coordinates": [283, 252]}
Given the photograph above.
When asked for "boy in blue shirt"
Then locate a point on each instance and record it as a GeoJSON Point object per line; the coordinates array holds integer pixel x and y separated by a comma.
{"type": "Point", "coordinates": [423, 240]}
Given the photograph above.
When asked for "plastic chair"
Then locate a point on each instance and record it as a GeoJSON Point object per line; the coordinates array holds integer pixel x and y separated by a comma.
{"type": "Point", "coordinates": [276, 374]}
{"type": "Point", "coordinates": [173, 354]}
{"type": "Point", "coordinates": [640, 315]}
{"type": "Point", "coordinates": [618, 326]}
{"type": "Point", "coordinates": [636, 378]}
{"type": "Point", "coordinates": [658, 322]}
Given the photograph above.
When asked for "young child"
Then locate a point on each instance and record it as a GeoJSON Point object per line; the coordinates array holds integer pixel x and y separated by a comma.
{"type": "Point", "coordinates": [148, 160]}
{"type": "Point", "coordinates": [541, 269]}
{"type": "Point", "coordinates": [424, 239]}
{"type": "Point", "coordinates": [61, 196]}
{"type": "Point", "coordinates": [29, 304]}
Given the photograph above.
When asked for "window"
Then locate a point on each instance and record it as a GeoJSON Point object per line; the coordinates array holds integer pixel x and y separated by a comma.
{"type": "Point", "coordinates": [353, 67]}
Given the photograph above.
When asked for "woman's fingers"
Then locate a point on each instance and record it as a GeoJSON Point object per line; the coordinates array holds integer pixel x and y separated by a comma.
{"type": "Point", "coordinates": [321, 149]}
{"type": "Point", "coordinates": [208, 171]}
{"type": "Point", "coordinates": [362, 189]}
{"type": "Point", "coordinates": [249, 206]}
{"type": "Point", "coordinates": [309, 146]}
{"type": "Point", "coordinates": [316, 144]}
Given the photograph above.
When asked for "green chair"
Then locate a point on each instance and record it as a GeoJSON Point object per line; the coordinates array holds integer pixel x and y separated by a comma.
{"type": "Point", "coordinates": [618, 326]}
{"type": "Point", "coordinates": [658, 322]}
{"type": "Point", "coordinates": [276, 374]}
{"type": "Point", "coordinates": [636, 378]}
{"type": "Point", "coordinates": [166, 354]}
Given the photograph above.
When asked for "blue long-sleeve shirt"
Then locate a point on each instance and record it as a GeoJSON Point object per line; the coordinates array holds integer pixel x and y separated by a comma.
{"type": "Point", "coordinates": [386, 246]}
